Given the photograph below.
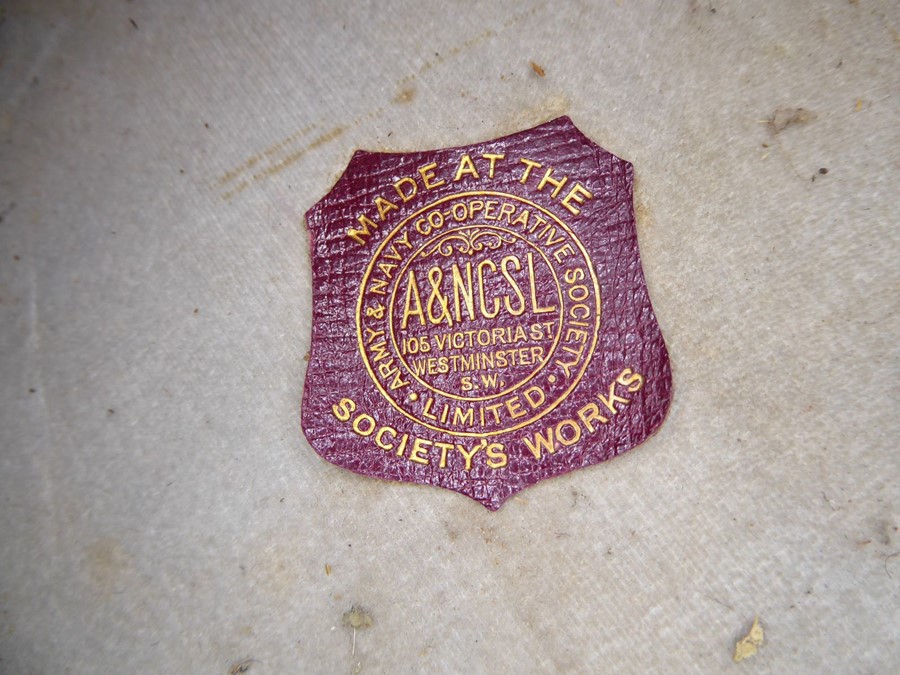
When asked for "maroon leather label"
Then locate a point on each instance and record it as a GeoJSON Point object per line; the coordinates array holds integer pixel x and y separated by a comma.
{"type": "Point", "coordinates": [480, 316]}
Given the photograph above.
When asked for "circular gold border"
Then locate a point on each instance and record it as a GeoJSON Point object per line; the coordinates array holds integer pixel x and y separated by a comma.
{"type": "Point", "coordinates": [562, 397]}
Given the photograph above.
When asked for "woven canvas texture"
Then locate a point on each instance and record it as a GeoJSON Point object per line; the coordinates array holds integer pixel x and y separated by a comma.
{"type": "Point", "coordinates": [160, 509]}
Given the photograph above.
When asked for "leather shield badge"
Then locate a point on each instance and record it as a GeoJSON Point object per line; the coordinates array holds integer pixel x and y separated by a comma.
{"type": "Point", "coordinates": [480, 317]}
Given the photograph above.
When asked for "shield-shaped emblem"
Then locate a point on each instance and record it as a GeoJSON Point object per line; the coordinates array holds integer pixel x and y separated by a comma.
{"type": "Point", "coordinates": [480, 316]}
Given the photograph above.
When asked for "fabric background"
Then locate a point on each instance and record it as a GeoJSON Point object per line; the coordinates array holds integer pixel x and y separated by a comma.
{"type": "Point", "coordinates": [160, 510]}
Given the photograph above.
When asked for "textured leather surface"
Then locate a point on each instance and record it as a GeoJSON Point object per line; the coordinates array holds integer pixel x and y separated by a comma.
{"type": "Point", "coordinates": [629, 336]}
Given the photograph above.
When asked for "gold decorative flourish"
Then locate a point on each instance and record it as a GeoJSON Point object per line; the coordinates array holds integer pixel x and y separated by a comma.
{"type": "Point", "coordinates": [468, 242]}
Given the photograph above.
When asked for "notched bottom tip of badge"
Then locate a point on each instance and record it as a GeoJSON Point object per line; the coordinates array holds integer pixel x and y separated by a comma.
{"type": "Point", "coordinates": [492, 501]}
{"type": "Point", "coordinates": [493, 498]}
{"type": "Point", "coordinates": [490, 505]}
